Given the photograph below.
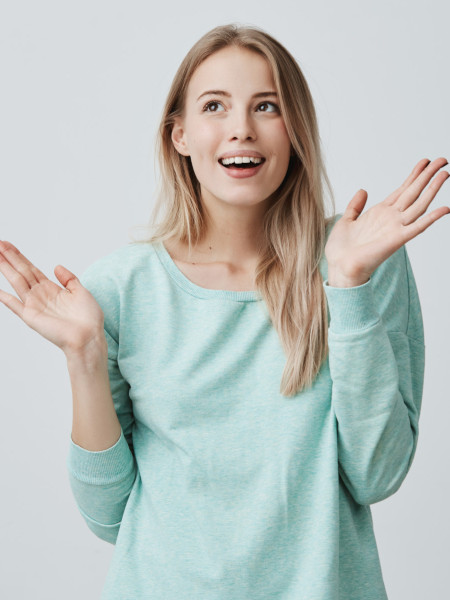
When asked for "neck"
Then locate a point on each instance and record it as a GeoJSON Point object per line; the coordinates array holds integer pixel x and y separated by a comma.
{"type": "Point", "coordinates": [233, 234]}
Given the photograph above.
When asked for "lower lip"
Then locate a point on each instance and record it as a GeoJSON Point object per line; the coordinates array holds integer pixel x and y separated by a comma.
{"type": "Point", "coordinates": [239, 173]}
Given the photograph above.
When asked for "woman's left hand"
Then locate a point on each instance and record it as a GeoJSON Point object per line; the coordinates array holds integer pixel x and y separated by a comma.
{"type": "Point", "coordinates": [359, 243]}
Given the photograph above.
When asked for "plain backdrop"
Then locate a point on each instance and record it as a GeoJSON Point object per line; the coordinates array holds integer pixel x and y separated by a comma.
{"type": "Point", "coordinates": [82, 89]}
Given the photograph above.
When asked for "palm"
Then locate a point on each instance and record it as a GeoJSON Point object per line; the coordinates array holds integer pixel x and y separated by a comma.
{"type": "Point", "coordinates": [69, 316]}
{"type": "Point", "coordinates": [61, 316]}
{"type": "Point", "coordinates": [359, 243]}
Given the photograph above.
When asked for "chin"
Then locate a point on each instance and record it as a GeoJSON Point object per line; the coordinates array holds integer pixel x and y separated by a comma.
{"type": "Point", "coordinates": [244, 200]}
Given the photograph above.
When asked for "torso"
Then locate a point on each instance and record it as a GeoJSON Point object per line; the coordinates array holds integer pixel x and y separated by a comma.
{"type": "Point", "coordinates": [211, 275]}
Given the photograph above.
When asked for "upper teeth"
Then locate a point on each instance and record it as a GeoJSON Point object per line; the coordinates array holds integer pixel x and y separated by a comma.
{"type": "Point", "coordinates": [240, 159]}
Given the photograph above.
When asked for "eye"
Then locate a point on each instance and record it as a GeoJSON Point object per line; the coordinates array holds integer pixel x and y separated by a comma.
{"type": "Point", "coordinates": [275, 106]}
{"type": "Point", "coordinates": [208, 104]}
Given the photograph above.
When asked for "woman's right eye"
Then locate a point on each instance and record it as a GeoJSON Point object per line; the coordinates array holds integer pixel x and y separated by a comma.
{"type": "Point", "coordinates": [208, 104]}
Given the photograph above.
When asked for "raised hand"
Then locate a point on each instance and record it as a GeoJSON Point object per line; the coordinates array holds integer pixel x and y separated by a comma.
{"type": "Point", "coordinates": [68, 316]}
{"type": "Point", "coordinates": [359, 243]}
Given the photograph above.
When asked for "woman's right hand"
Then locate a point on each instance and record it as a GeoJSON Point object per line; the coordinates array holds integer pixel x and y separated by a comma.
{"type": "Point", "coordinates": [68, 316]}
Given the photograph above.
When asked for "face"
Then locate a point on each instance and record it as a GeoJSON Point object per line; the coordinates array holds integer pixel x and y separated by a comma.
{"type": "Point", "coordinates": [241, 118]}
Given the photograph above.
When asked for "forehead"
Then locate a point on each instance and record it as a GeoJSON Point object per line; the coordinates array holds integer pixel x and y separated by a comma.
{"type": "Point", "coordinates": [232, 69]}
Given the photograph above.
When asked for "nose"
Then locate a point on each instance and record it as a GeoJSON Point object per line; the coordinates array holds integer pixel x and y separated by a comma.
{"type": "Point", "coordinates": [242, 126]}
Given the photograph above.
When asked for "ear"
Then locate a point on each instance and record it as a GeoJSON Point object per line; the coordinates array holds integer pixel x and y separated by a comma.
{"type": "Point", "coordinates": [179, 137]}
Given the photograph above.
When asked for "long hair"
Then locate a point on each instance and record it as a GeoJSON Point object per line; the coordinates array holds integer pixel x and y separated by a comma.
{"type": "Point", "coordinates": [287, 276]}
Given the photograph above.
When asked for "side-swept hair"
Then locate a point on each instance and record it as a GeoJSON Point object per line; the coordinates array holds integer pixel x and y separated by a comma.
{"type": "Point", "coordinates": [287, 276]}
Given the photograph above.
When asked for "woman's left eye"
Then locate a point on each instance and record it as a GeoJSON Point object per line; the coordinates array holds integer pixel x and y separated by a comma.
{"type": "Point", "coordinates": [208, 105]}
{"type": "Point", "coordinates": [274, 106]}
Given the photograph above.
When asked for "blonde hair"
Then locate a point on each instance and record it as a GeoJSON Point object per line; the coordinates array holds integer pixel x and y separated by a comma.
{"type": "Point", "coordinates": [287, 276]}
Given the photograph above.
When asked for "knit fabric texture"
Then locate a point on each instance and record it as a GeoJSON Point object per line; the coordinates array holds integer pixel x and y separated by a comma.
{"type": "Point", "coordinates": [221, 488]}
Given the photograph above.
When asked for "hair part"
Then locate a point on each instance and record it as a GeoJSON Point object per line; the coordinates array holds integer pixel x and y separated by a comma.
{"type": "Point", "coordinates": [288, 275]}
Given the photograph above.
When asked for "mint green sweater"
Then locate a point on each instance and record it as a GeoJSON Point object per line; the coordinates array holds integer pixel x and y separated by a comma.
{"type": "Point", "coordinates": [220, 488]}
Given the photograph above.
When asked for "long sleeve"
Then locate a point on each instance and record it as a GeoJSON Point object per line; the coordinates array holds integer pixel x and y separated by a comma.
{"type": "Point", "coordinates": [101, 481]}
{"type": "Point", "coordinates": [376, 360]}
{"type": "Point", "coordinates": [238, 491]}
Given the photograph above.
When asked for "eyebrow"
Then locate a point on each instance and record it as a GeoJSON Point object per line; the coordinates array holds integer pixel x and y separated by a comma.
{"type": "Point", "coordinates": [228, 95]}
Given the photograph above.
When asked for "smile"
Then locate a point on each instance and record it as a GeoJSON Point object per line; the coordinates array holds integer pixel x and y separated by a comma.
{"type": "Point", "coordinates": [243, 170]}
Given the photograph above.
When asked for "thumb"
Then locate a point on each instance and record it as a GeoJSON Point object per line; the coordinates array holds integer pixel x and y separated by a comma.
{"type": "Point", "coordinates": [356, 204]}
{"type": "Point", "coordinates": [67, 278]}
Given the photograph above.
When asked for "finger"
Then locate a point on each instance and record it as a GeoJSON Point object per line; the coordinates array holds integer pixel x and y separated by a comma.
{"type": "Point", "coordinates": [419, 207]}
{"type": "Point", "coordinates": [31, 273]}
{"type": "Point", "coordinates": [419, 226]}
{"type": "Point", "coordinates": [356, 205]}
{"type": "Point", "coordinates": [16, 279]}
{"type": "Point", "coordinates": [66, 277]}
{"type": "Point", "coordinates": [12, 303]}
{"type": "Point", "coordinates": [414, 190]}
{"type": "Point", "coordinates": [421, 165]}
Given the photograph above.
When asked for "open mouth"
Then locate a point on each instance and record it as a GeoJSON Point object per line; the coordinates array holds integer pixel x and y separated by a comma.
{"type": "Point", "coordinates": [242, 165]}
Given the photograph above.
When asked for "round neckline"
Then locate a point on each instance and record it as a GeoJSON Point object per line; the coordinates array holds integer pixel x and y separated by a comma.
{"type": "Point", "coordinates": [196, 290]}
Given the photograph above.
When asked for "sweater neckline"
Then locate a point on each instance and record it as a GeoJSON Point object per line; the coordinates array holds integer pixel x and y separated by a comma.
{"type": "Point", "coordinates": [196, 290]}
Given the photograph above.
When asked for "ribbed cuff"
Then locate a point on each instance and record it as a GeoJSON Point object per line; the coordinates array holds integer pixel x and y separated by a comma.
{"type": "Point", "coordinates": [103, 466]}
{"type": "Point", "coordinates": [351, 308]}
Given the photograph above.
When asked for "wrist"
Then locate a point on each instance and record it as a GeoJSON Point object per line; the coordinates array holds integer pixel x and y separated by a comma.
{"type": "Point", "coordinates": [93, 352]}
{"type": "Point", "coordinates": [338, 280]}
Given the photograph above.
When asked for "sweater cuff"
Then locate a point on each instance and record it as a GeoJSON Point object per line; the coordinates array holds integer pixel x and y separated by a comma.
{"type": "Point", "coordinates": [103, 466]}
{"type": "Point", "coordinates": [351, 308]}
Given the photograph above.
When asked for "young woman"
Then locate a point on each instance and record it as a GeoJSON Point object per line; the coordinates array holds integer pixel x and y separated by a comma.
{"type": "Point", "coordinates": [248, 380]}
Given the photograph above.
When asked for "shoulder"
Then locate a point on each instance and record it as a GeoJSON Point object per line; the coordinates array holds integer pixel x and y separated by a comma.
{"type": "Point", "coordinates": [113, 279]}
{"type": "Point", "coordinates": [127, 257]}
{"type": "Point", "coordinates": [112, 272]}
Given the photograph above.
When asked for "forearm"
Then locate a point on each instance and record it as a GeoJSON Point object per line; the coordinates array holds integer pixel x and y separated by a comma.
{"type": "Point", "coordinates": [377, 374]}
{"type": "Point", "coordinates": [95, 423]}
{"type": "Point", "coordinates": [373, 401]}
{"type": "Point", "coordinates": [101, 465]}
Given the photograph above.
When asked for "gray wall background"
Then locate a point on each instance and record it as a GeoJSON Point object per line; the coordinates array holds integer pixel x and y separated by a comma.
{"type": "Point", "coordinates": [83, 86]}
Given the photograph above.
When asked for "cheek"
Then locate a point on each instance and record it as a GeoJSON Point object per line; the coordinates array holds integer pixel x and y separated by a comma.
{"type": "Point", "coordinates": [279, 142]}
{"type": "Point", "coordinates": [203, 149]}
{"type": "Point", "coordinates": [282, 134]}
{"type": "Point", "coordinates": [205, 138]}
